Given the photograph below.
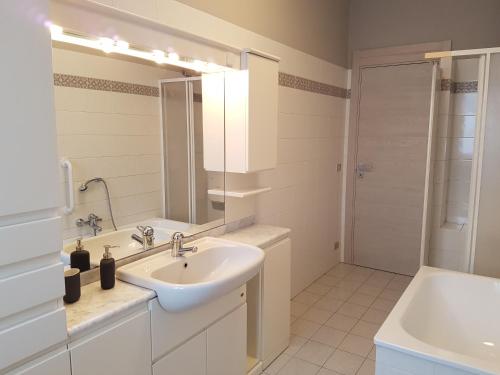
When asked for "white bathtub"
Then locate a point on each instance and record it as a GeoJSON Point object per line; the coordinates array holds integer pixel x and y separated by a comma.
{"type": "Point", "coordinates": [445, 323]}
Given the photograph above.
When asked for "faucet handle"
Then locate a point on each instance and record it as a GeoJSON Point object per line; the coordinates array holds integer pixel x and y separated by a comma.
{"type": "Point", "coordinates": [146, 230]}
{"type": "Point", "coordinates": [177, 237]}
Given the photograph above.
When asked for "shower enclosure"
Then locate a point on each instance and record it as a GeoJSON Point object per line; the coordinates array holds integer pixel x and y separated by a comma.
{"type": "Point", "coordinates": [186, 180]}
{"type": "Point", "coordinates": [465, 230]}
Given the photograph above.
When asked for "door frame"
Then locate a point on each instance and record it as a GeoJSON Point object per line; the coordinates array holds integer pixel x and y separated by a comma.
{"type": "Point", "coordinates": [408, 54]}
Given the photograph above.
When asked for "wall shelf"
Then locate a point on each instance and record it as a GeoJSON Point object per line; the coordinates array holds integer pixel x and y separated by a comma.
{"type": "Point", "coordinates": [239, 193]}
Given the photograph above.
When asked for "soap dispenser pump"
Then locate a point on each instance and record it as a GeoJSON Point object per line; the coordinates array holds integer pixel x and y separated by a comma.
{"type": "Point", "coordinates": [107, 268]}
{"type": "Point", "coordinates": [80, 258]}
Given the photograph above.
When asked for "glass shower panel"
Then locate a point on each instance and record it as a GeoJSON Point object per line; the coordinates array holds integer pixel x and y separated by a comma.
{"type": "Point", "coordinates": [487, 239]}
{"type": "Point", "coordinates": [453, 162]}
{"type": "Point", "coordinates": [176, 144]}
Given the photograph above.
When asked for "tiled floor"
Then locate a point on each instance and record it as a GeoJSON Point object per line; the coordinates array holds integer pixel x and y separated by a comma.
{"type": "Point", "coordinates": [334, 321]}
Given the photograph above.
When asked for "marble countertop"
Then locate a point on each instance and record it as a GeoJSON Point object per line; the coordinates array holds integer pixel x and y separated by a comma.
{"type": "Point", "coordinates": [258, 235]}
{"type": "Point", "coordinates": [97, 305]}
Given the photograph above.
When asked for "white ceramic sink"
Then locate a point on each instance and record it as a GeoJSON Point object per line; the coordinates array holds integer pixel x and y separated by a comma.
{"type": "Point", "coordinates": [181, 283]}
{"type": "Point", "coordinates": [122, 238]}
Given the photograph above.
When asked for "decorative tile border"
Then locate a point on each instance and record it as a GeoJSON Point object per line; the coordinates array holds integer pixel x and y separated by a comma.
{"type": "Point", "coordinates": [285, 79]}
{"type": "Point", "coordinates": [68, 80]}
{"type": "Point", "coordinates": [465, 87]}
{"type": "Point", "coordinates": [300, 83]}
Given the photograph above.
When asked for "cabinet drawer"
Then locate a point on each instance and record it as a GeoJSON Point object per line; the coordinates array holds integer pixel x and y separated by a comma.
{"type": "Point", "coordinates": [32, 336]}
{"type": "Point", "coordinates": [18, 289]}
{"type": "Point", "coordinates": [30, 240]}
{"type": "Point", "coordinates": [188, 359]}
{"type": "Point", "coordinates": [122, 349]}
{"type": "Point", "coordinates": [55, 363]}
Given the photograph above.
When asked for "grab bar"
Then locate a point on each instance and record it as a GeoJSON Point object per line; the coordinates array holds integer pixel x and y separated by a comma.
{"type": "Point", "coordinates": [70, 199]}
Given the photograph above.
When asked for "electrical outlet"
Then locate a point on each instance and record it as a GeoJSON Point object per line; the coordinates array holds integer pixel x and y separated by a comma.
{"type": "Point", "coordinates": [337, 245]}
{"type": "Point", "coordinates": [339, 167]}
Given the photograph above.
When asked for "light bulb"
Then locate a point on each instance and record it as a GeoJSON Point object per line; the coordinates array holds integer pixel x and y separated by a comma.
{"type": "Point", "coordinates": [159, 56]}
{"type": "Point", "coordinates": [173, 56]}
{"type": "Point", "coordinates": [122, 45]}
{"type": "Point", "coordinates": [106, 44]}
{"type": "Point", "coordinates": [55, 30]}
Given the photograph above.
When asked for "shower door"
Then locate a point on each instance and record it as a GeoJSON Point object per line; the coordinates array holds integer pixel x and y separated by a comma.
{"type": "Point", "coordinates": [391, 166]}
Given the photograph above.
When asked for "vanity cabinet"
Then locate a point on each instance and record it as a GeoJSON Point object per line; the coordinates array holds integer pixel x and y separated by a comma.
{"type": "Point", "coordinates": [276, 275]}
{"type": "Point", "coordinates": [121, 348]}
{"type": "Point", "coordinates": [251, 115]}
{"type": "Point", "coordinates": [219, 350]}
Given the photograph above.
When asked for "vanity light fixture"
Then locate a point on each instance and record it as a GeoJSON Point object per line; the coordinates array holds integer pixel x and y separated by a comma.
{"type": "Point", "coordinates": [109, 45]}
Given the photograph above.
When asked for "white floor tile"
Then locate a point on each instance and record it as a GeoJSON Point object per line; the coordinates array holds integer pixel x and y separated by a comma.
{"type": "Point", "coordinates": [328, 303]}
{"type": "Point", "coordinates": [297, 366]}
{"type": "Point", "coordinates": [304, 328]}
{"type": "Point", "coordinates": [350, 309]}
{"type": "Point", "coordinates": [344, 363]}
{"type": "Point", "coordinates": [356, 345]}
{"type": "Point", "coordinates": [362, 299]}
{"type": "Point", "coordinates": [317, 315]}
{"type": "Point", "coordinates": [307, 298]}
{"type": "Point", "coordinates": [277, 364]}
{"type": "Point", "coordinates": [335, 319]}
{"type": "Point", "coordinates": [367, 368]}
{"type": "Point", "coordinates": [298, 309]}
{"type": "Point", "coordinates": [315, 352]}
{"type": "Point", "coordinates": [296, 343]}
{"type": "Point", "coordinates": [329, 336]}
{"type": "Point", "coordinates": [341, 322]}
{"type": "Point", "coordinates": [365, 329]}
{"type": "Point", "coordinates": [374, 316]}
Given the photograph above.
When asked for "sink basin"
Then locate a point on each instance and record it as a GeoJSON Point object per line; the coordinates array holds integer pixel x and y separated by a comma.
{"type": "Point", "coordinates": [182, 283]}
{"type": "Point", "coordinates": [122, 238]}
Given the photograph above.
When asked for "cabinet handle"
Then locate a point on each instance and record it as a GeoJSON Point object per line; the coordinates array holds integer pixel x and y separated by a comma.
{"type": "Point", "coordinates": [70, 199]}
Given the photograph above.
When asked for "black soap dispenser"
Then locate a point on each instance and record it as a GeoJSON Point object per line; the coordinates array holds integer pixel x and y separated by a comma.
{"type": "Point", "coordinates": [107, 268]}
{"type": "Point", "coordinates": [80, 258]}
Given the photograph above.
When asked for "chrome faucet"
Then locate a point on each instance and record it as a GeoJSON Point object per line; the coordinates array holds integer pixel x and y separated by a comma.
{"type": "Point", "coordinates": [177, 245]}
{"type": "Point", "coordinates": [147, 239]}
{"type": "Point", "coordinates": [91, 221]}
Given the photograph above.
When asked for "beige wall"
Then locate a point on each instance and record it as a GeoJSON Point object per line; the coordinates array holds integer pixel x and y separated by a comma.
{"type": "Point", "coordinates": [317, 27]}
{"type": "Point", "coordinates": [382, 23]}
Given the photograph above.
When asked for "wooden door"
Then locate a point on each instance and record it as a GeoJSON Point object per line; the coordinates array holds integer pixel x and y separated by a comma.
{"type": "Point", "coordinates": [393, 123]}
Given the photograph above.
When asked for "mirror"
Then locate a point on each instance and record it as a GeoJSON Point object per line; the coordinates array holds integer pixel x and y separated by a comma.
{"type": "Point", "coordinates": [131, 136]}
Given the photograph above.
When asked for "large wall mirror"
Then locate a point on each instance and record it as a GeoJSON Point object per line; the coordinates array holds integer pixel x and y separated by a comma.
{"type": "Point", "coordinates": [131, 138]}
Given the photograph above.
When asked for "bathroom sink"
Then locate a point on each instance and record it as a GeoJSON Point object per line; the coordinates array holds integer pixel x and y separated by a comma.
{"type": "Point", "coordinates": [181, 283]}
{"type": "Point", "coordinates": [122, 238]}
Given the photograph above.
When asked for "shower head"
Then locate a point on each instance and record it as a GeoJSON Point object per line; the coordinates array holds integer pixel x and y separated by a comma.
{"type": "Point", "coordinates": [83, 187]}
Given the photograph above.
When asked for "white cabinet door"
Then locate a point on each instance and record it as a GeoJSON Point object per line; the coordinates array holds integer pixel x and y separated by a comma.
{"type": "Point", "coordinates": [251, 115]}
{"type": "Point", "coordinates": [56, 363]}
{"type": "Point", "coordinates": [262, 130]}
{"type": "Point", "coordinates": [188, 359]}
{"type": "Point", "coordinates": [227, 344]}
{"type": "Point", "coordinates": [276, 301]}
{"type": "Point", "coordinates": [122, 349]}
